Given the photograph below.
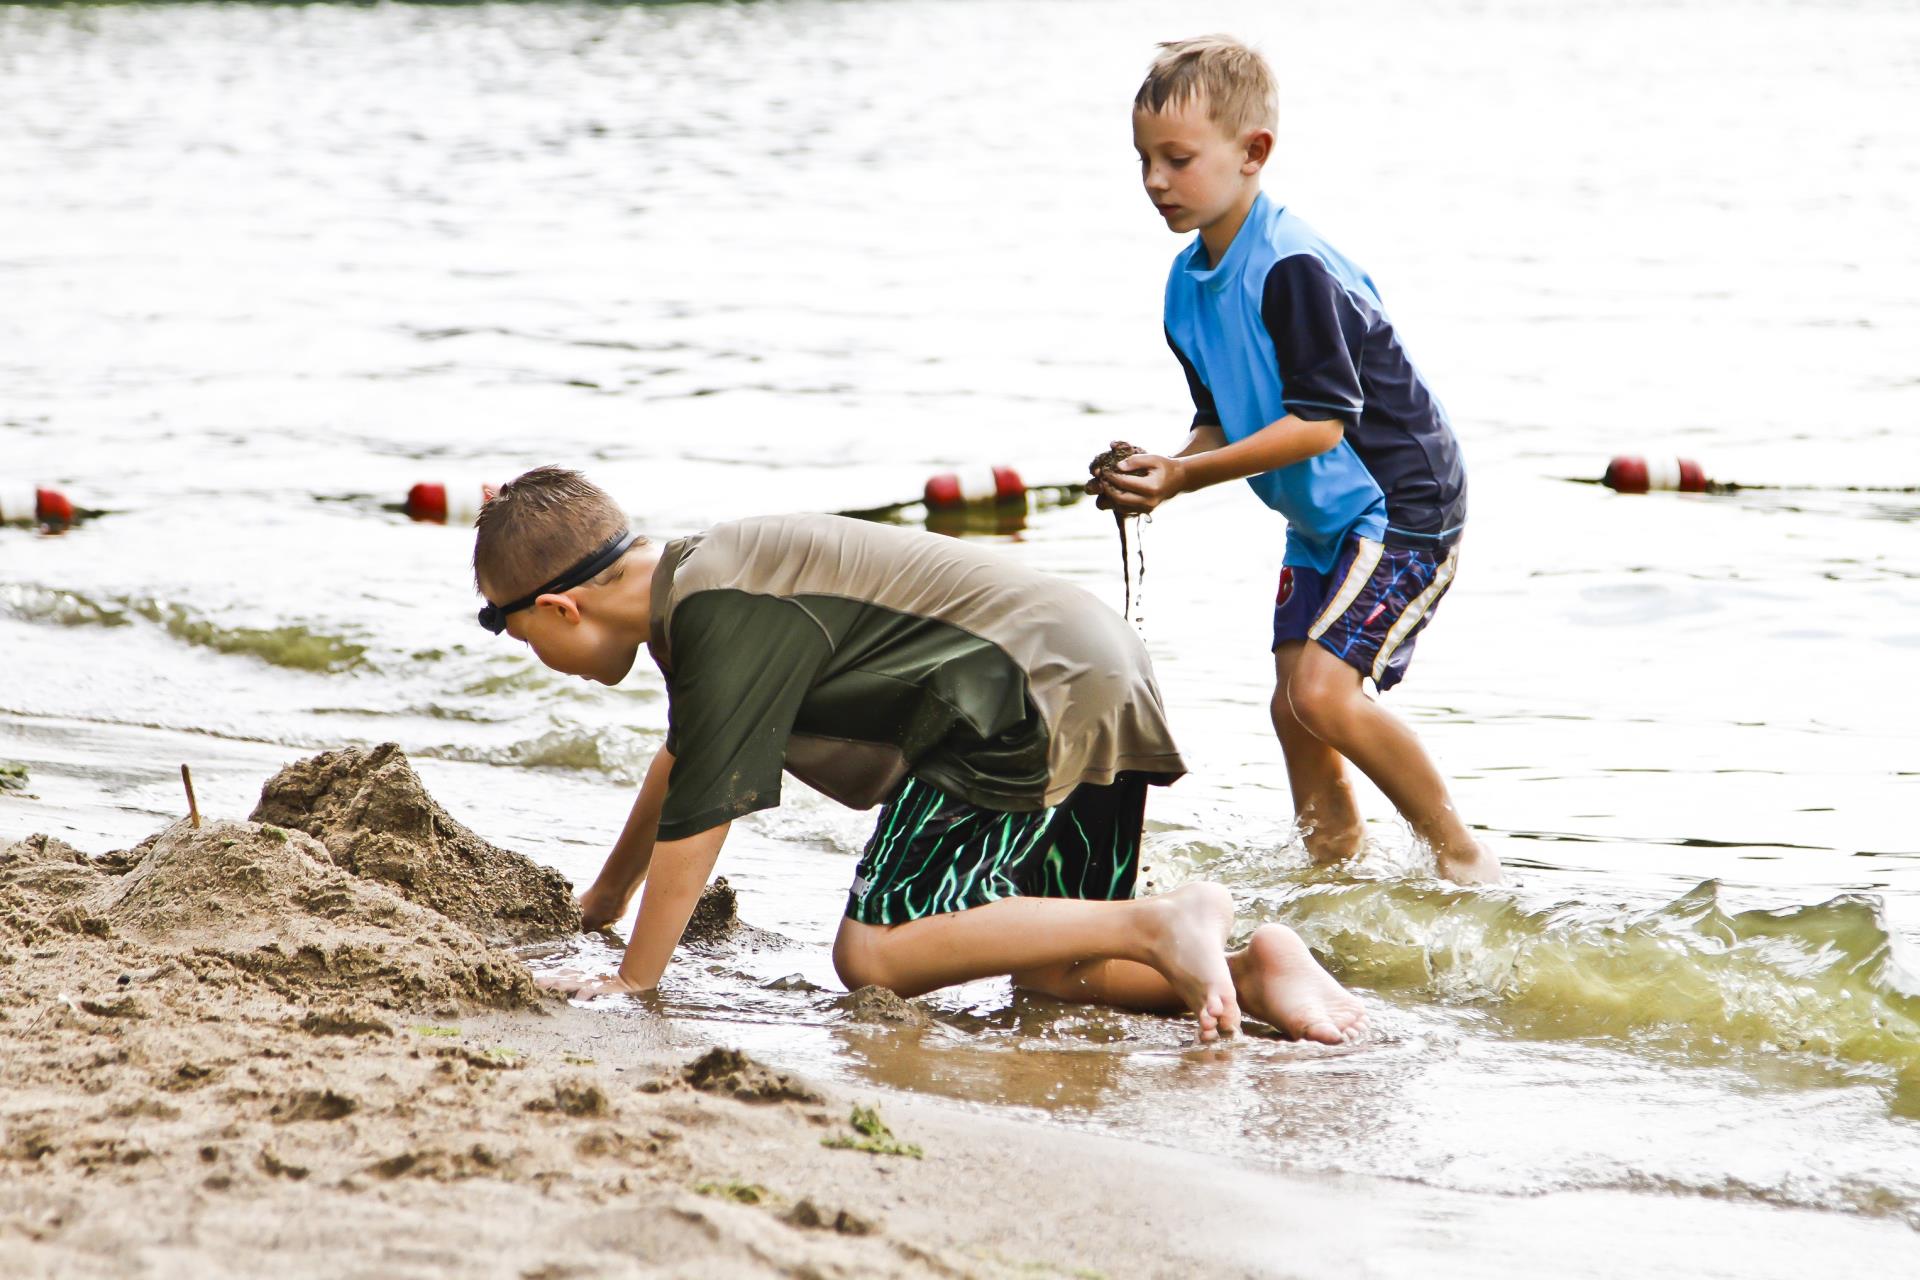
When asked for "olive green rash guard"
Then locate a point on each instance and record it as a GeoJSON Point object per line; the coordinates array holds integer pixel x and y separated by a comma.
{"type": "Point", "coordinates": [852, 654]}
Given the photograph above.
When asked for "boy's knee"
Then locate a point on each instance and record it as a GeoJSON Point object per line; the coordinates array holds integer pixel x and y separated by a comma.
{"type": "Point", "coordinates": [1321, 699]}
{"type": "Point", "coordinates": [854, 958]}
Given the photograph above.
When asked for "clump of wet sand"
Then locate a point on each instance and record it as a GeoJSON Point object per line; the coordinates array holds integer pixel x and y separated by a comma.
{"type": "Point", "coordinates": [883, 1006]}
{"type": "Point", "coordinates": [373, 814]}
{"type": "Point", "coordinates": [1108, 460]}
{"type": "Point", "coordinates": [716, 924]}
{"type": "Point", "coordinates": [730, 1072]}
{"type": "Point", "coordinates": [1106, 464]}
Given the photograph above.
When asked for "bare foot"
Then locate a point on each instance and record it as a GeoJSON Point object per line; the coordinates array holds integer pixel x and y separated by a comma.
{"type": "Point", "coordinates": [1189, 949]}
{"type": "Point", "coordinates": [1280, 982]}
{"type": "Point", "coordinates": [1475, 864]}
{"type": "Point", "coordinates": [1326, 848]}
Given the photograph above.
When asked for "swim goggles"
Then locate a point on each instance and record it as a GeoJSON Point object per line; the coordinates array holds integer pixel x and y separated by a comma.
{"type": "Point", "coordinates": [494, 616]}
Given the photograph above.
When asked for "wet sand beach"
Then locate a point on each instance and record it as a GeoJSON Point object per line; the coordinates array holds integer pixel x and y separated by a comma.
{"type": "Point", "coordinates": [227, 1052]}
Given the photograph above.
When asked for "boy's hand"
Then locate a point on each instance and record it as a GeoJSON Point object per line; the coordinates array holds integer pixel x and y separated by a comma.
{"type": "Point", "coordinates": [1138, 484]}
{"type": "Point", "coordinates": [599, 908]}
{"type": "Point", "coordinates": [585, 985]}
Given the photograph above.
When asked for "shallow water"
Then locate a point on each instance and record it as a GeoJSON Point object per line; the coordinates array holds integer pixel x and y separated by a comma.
{"type": "Point", "coordinates": [261, 269]}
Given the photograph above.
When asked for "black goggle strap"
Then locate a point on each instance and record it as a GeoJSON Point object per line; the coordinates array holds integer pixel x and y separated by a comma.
{"type": "Point", "coordinates": [494, 616]}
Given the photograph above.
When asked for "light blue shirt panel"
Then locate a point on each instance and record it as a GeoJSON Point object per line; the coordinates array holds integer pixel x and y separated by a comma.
{"type": "Point", "coordinates": [1214, 317]}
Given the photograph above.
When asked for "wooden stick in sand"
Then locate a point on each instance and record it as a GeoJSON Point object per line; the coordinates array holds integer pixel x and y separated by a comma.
{"type": "Point", "coordinates": [193, 806]}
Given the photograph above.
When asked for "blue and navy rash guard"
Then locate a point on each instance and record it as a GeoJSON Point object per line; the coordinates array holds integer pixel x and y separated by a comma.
{"type": "Point", "coordinates": [1285, 324]}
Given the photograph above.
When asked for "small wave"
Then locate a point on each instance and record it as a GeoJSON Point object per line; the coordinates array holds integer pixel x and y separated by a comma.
{"type": "Point", "coordinates": [1862, 1196]}
{"type": "Point", "coordinates": [621, 754]}
{"type": "Point", "coordinates": [62, 608]}
{"type": "Point", "coordinates": [291, 646]}
{"type": "Point", "coordinates": [1815, 982]}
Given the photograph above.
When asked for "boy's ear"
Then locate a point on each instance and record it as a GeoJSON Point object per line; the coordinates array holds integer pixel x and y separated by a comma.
{"type": "Point", "coordinates": [1259, 149]}
{"type": "Point", "coordinates": [563, 604]}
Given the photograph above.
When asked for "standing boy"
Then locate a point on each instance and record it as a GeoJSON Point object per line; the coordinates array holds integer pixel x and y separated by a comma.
{"type": "Point", "coordinates": [1301, 387]}
{"type": "Point", "coordinates": [1007, 723]}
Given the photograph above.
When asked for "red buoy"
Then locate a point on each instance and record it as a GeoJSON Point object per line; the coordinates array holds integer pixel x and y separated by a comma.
{"type": "Point", "coordinates": [976, 486]}
{"type": "Point", "coordinates": [52, 507]}
{"type": "Point", "coordinates": [444, 504]}
{"type": "Point", "coordinates": [24, 505]}
{"type": "Point", "coordinates": [1639, 475]}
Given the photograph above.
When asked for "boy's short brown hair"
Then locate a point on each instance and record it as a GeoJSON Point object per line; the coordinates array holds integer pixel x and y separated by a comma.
{"type": "Point", "coordinates": [536, 526]}
{"type": "Point", "coordinates": [1235, 82]}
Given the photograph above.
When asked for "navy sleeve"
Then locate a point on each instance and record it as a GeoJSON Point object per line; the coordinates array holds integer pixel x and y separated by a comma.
{"type": "Point", "coordinates": [1204, 413]}
{"type": "Point", "coordinates": [1319, 333]}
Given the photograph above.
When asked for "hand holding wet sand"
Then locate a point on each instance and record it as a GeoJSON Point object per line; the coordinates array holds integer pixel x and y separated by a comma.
{"type": "Point", "coordinates": [1129, 481]}
{"type": "Point", "coordinates": [1104, 469]}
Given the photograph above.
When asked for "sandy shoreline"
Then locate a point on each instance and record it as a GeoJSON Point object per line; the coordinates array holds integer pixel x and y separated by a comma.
{"type": "Point", "coordinates": [245, 1050]}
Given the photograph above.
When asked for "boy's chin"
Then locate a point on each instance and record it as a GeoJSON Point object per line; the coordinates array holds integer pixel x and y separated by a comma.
{"type": "Point", "coordinates": [617, 668]}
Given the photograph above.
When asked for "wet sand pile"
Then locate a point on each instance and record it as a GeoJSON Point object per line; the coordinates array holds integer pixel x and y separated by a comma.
{"type": "Point", "coordinates": [716, 924]}
{"type": "Point", "coordinates": [238, 899]}
{"type": "Point", "coordinates": [882, 1006]}
{"type": "Point", "coordinates": [233, 1050]}
{"type": "Point", "coordinates": [370, 810]}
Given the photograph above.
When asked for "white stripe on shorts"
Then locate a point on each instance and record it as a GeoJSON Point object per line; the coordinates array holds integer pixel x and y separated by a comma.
{"type": "Point", "coordinates": [1364, 561]}
{"type": "Point", "coordinates": [1398, 633]}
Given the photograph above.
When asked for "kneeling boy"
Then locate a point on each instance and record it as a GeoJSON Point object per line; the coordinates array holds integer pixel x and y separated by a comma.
{"type": "Point", "coordinates": [1007, 723]}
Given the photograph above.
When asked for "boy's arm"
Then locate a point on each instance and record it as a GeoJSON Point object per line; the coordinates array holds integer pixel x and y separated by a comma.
{"type": "Point", "coordinates": [1204, 439]}
{"type": "Point", "coordinates": [679, 876]}
{"type": "Point", "coordinates": [605, 901]}
{"type": "Point", "coordinates": [674, 883]}
{"type": "Point", "coordinates": [1319, 330]}
{"type": "Point", "coordinates": [1146, 480]}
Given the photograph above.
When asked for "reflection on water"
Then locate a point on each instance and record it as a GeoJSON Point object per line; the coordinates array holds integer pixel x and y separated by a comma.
{"type": "Point", "coordinates": [262, 269]}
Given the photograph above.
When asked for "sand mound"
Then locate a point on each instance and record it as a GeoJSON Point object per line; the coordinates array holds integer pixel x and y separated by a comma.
{"type": "Point", "coordinates": [735, 1075]}
{"type": "Point", "coordinates": [716, 924]}
{"type": "Point", "coordinates": [369, 809]}
{"type": "Point", "coordinates": [41, 878]}
{"type": "Point", "coordinates": [270, 903]}
{"type": "Point", "coordinates": [881, 1005]}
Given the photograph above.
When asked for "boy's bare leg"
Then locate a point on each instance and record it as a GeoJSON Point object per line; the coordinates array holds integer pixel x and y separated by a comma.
{"type": "Point", "coordinates": [1323, 802]}
{"type": "Point", "coordinates": [1181, 936]}
{"type": "Point", "coordinates": [1327, 700]}
{"type": "Point", "coordinates": [1275, 977]}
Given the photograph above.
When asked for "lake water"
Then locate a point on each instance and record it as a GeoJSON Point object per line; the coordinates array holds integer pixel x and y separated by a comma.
{"type": "Point", "coordinates": [263, 268]}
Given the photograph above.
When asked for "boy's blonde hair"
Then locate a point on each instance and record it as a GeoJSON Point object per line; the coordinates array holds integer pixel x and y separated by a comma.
{"type": "Point", "coordinates": [1235, 82]}
{"type": "Point", "coordinates": [536, 526]}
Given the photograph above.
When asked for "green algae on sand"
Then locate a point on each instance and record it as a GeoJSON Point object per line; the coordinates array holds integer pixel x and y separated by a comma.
{"type": "Point", "coordinates": [875, 1138]}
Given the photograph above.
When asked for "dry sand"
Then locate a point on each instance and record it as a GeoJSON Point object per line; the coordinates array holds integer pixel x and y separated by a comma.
{"type": "Point", "coordinates": [253, 1050]}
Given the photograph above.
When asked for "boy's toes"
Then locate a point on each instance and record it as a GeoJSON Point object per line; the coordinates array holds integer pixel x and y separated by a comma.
{"type": "Point", "coordinates": [1229, 1015]}
{"type": "Point", "coordinates": [1208, 1016]}
{"type": "Point", "coordinates": [1323, 1032]}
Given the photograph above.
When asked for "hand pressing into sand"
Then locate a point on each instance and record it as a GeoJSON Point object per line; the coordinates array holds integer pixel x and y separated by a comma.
{"type": "Point", "coordinates": [584, 986]}
{"type": "Point", "coordinates": [600, 908]}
